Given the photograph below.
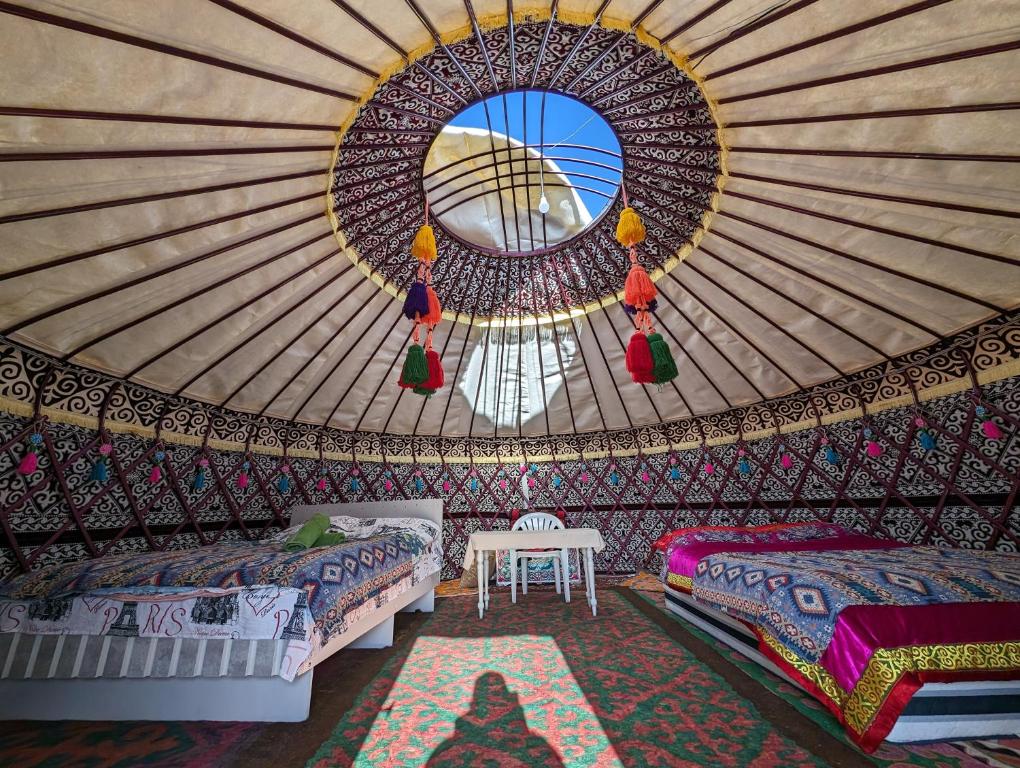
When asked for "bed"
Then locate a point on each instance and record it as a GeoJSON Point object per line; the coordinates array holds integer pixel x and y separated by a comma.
{"type": "Point", "coordinates": [226, 632]}
{"type": "Point", "coordinates": [900, 643]}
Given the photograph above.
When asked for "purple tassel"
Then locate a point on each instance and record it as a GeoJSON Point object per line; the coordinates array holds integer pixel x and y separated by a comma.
{"type": "Point", "coordinates": [417, 302]}
{"type": "Point", "coordinates": [631, 310]}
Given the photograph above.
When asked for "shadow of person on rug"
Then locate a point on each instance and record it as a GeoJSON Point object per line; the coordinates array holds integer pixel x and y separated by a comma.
{"type": "Point", "coordinates": [493, 731]}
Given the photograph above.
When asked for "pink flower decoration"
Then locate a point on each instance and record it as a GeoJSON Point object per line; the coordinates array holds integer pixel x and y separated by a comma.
{"type": "Point", "coordinates": [388, 485]}
{"type": "Point", "coordinates": [105, 449]}
{"type": "Point", "coordinates": [645, 477]}
{"type": "Point", "coordinates": [709, 468]}
{"type": "Point", "coordinates": [203, 462]}
{"type": "Point", "coordinates": [531, 482]}
{"type": "Point", "coordinates": [285, 469]}
{"type": "Point", "coordinates": [918, 422]}
{"type": "Point", "coordinates": [446, 485]}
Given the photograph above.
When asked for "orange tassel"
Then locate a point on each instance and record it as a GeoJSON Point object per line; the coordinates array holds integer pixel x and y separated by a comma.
{"type": "Point", "coordinates": [639, 290]}
{"type": "Point", "coordinates": [435, 315]}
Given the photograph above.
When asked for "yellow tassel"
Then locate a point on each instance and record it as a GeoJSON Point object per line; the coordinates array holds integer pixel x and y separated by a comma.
{"type": "Point", "coordinates": [424, 247]}
{"type": "Point", "coordinates": [631, 230]}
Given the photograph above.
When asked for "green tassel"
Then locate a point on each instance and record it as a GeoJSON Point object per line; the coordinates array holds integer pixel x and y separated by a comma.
{"type": "Point", "coordinates": [424, 391]}
{"type": "Point", "coordinates": [416, 367]}
{"type": "Point", "coordinates": [665, 369]}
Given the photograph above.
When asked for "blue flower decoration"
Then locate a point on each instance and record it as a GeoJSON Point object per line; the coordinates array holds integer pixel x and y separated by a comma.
{"type": "Point", "coordinates": [36, 438]}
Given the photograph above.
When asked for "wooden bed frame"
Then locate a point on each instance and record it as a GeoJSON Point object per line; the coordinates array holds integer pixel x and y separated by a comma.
{"type": "Point", "coordinates": [937, 711]}
{"type": "Point", "coordinates": [270, 699]}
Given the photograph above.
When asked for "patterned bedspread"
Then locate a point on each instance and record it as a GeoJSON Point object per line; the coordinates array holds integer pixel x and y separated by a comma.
{"type": "Point", "coordinates": [798, 596]}
{"type": "Point", "coordinates": [250, 592]}
{"type": "Point", "coordinates": [864, 630]}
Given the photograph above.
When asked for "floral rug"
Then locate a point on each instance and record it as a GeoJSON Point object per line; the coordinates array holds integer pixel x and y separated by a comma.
{"type": "Point", "coordinates": [543, 683]}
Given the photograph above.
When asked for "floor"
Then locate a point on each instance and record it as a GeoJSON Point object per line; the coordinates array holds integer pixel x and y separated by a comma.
{"type": "Point", "coordinates": [533, 684]}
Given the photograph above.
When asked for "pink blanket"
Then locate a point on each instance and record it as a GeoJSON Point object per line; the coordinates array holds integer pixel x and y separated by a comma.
{"type": "Point", "coordinates": [682, 560]}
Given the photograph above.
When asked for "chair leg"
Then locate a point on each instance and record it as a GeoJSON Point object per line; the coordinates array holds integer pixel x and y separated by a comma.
{"type": "Point", "coordinates": [556, 574]}
{"type": "Point", "coordinates": [513, 575]}
{"type": "Point", "coordinates": [524, 575]}
{"type": "Point", "coordinates": [566, 574]}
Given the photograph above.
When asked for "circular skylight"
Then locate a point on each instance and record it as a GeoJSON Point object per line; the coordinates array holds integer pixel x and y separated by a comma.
{"type": "Point", "coordinates": [522, 172]}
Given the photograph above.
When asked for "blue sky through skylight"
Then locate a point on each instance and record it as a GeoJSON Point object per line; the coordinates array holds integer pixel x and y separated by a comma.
{"type": "Point", "coordinates": [566, 120]}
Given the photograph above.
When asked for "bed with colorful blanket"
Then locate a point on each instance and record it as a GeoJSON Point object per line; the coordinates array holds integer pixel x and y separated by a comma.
{"type": "Point", "coordinates": [899, 642]}
{"type": "Point", "coordinates": [263, 613]}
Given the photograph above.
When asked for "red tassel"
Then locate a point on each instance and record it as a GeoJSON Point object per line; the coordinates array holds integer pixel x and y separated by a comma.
{"type": "Point", "coordinates": [29, 463]}
{"type": "Point", "coordinates": [639, 359]}
{"type": "Point", "coordinates": [436, 377]}
{"type": "Point", "coordinates": [321, 485]}
{"type": "Point", "coordinates": [155, 474]}
{"type": "Point", "coordinates": [786, 461]}
{"type": "Point", "coordinates": [873, 449]}
{"type": "Point", "coordinates": [639, 290]}
{"type": "Point", "coordinates": [242, 480]}
{"type": "Point", "coordinates": [991, 430]}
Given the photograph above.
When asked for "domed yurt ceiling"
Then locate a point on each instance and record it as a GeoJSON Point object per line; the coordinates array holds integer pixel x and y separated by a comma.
{"type": "Point", "coordinates": [217, 199]}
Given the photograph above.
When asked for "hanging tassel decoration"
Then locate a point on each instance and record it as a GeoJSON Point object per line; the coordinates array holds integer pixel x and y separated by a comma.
{"type": "Point", "coordinates": [30, 461]}
{"type": "Point", "coordinates": [424, 246]}
{"type": "Point", "coordinates": [743, 465]}
{"type": "Point", "coordinates": [473, 483]}
{"type": "Point", "coordinates": [645, 477]}
{"type": "Point", "coordinates": [198, 483]}
{"type": "Point", "coordinates": [639, 360]}
{"type": "Point", "coordinates": [355, 485]}
{"type": "Point", "coordinates": [321, 484]}
{"type": "Point", "coordinates": [630, 230]}
{"type": "Point", "coordinates": [423, 370]}
{"type": "Point", "coordinates": [100, 472]}
{"type": "Point", "coordinates": [584, 478]}
{"type": "Point", "coordinates": [785, 460]}
{"type": "Point", "coordinates": [388, 483]}
{"type": "Point", "coordinates": [924, 436]}
{"type": "Point", "coordinates": [648, 358]}
{"type": "Point", "coordinates": [242, 476]}
{"type": "Point", "coordinates": [416, 368]}
{"type": "Point", "coordinates": [435, 314]}
{"type": "Point", "coordinates": [156, 473]}
{"type": "Point", "coordinates": [419, 482]}
{"type": "Point", "coordinates": [709, 466]}
{"type": "Point", "coordinates": [872, 448]}
{"type": "Point", "coordinates": [283, 482]}
{"type": "Point", "coordinates": [663, 366]}
{"type": "Point", "coordinates": [830, 453]}
{"type": "Point", "coordinates": [416, 303]}
{"type": "Point", "coordinates": [988, 427]}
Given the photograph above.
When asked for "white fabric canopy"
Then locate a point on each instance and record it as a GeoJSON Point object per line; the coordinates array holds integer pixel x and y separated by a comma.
{"type": "Point", "coordinates": [261, 309]}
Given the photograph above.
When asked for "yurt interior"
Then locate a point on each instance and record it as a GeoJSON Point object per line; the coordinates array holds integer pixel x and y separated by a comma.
{"type": "Point", "coordinates": [617, 383]}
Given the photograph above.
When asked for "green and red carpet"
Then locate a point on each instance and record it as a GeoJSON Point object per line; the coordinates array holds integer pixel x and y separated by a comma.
{"type": "Point", "coordinates": [540, 683]}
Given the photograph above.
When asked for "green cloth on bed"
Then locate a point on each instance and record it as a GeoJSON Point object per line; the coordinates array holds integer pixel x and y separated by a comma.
{"type": "Point", "coordinates": [308, 534]}
{"type": "Point", "coordinates": [330, 539]}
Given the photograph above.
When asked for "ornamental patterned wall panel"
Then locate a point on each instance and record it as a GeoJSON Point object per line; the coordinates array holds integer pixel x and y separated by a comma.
{"type": "Point", "coordinates": [961, 493]}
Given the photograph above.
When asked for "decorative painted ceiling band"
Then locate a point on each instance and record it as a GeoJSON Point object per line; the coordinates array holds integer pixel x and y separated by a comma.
{"type": "Point", "coordinates": [674, 161]}
{"type": "Point", "coordinates": [31, 382]}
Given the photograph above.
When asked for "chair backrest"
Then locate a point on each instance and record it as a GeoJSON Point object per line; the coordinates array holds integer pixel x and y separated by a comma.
{"type": "Point", "coordinates": [537, 521]}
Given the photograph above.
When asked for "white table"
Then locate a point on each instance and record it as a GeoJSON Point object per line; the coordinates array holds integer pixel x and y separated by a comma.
{"type": "Point", "coordinates": [586, 540]}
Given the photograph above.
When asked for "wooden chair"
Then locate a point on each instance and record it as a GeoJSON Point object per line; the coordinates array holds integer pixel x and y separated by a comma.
{"type": "Point", "coordinates": [534, 521]}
